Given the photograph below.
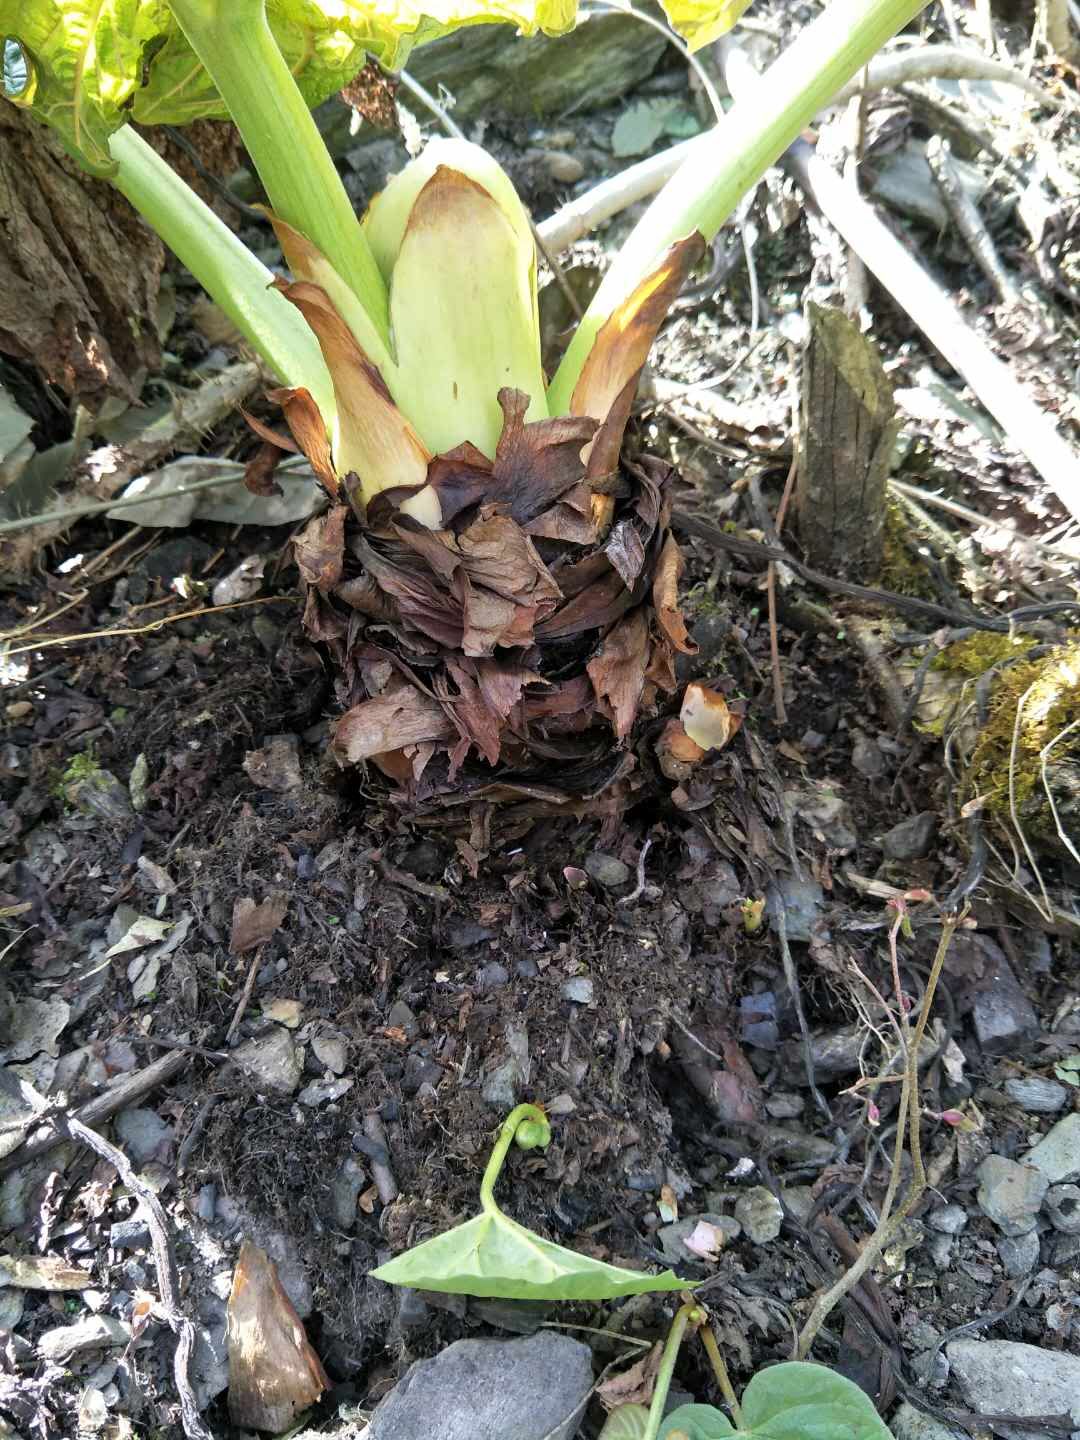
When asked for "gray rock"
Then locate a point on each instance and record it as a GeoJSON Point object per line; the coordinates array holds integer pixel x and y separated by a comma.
{"type": "Point", "coordinates": [413, 1309]}
{"type": "Point", "coordinates": [911, 1424]}
{"type": "Point", "coordinates": [802, 902]}
{"type": "Point", "coordinates": [579, 989]}
{"type": "Point", "coordinates": [911, 839]}
{"type": "Point", "coordinates": [534, 1388]}
{"type": "Point", "coordinates": [319, 1092]}
{"type": "Point", "coordinates": [1002, 1014]}
{"type": "Point", "coordinates": [566, 169]}
{"type": "Point", "coordinates": [273, 1060]}
{"type": "Point", "coordinates": [782, 1105]}
{"type": "Point", "coordinates": [142, 1135]}
{"type": "Point", "coordinates": [1037, 1096]}
{"type": "Point", "coordinates": [33, 1026]}
{"type": "Point", "coordinates": [948, 1219]}
{"type": "Point", "coordinates": [1057, 1154]}
{"type": "Point", "coordinates": [941, 1248]}
{"type": "Point", "coordinates": [1010, 1194]}
{"type": "Point", "coordinates": [402, 1018]}
{"type": "Point", "coordinates": [493, 976]}
{"type": "Point", "coordinates": [348, 1181]}
{"type": "Point", "coordinates": [1063, 1208]}
{"type": "Point", "coordinates": [89, 1333]}
{"type": "Point", "coordinates": [500, 1085]}
{"type": "Point", "coordinates": [760, 1214]}
{"type": "Point", "coordinates": [671, 1237]}
{"type": "Point", "coordinates": [606, 870]}
{"type": "Point", "coordinates": [834, 1054]}
{"type": "Point", "coordinates": [1019, 1253]}
{"type": "Point", "coordinates": [331, 1051]}
{"type": "Point", "coordinates": [133, 1234]}
{"type": "Point", "coordinates": [1004, 1377]}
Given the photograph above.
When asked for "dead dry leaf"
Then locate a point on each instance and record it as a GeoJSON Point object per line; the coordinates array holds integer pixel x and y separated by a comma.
{"type": "Point", "coordinates": [274, 1374]}
{"type": "Point", "coordinates": [635, 1385]}
{"type": "Point", "coordinates": [706, 718]}
{"type": "Point", "coordinates": [42, 1272]}
{"type": "Point", "coordinates": [254, 924]}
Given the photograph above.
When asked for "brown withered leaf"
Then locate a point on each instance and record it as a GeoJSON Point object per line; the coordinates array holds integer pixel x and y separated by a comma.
{"type": "Point", "coordinates": [669, 569]}
{"type": "Point", "coordinates": [319, 549]}
{"type": "Point", "coordinates": [618, 671]}
{"type": "Point", "coordinates": [254, 924]}
{"type": "Point", "coordinates": [535, 463]}
{"type": "Point", "coordinates": [274, 1374]}
{"type": "Point", "coordinates": [397, 718]}
{"type": "Point", "coordinates": [461, 478]}
{"type": "Point", "coordinates": [622, 347]}
{"type": "Point", "coordinates": [706, 718]}
{"type": "Point", "coordinates": [676, 753]}
{"type": "Point", "coordinates": [635, 1385]}
{"type": "Point", "coordinates": [626, 552]}
{"type": "Point", "coordinates": [259, 470]}
{"type": "Point", "coordinates": [309, 430]}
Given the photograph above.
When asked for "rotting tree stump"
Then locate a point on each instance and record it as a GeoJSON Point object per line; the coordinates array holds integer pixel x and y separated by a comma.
{"type": "Point", "coordinates": [848, 431]}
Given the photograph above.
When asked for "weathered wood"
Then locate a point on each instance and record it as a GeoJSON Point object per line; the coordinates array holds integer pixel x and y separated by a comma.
{"type": "Point", "coordinates": [487, 68]}
{"type": "Point", "coordinates": [848, 431]}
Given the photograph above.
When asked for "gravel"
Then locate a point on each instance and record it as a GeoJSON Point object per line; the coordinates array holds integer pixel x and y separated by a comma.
{"type": "Point", "coordinates": [1011, 1194]}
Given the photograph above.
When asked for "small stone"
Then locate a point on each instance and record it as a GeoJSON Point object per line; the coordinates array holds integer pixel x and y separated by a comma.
{"type": "Point", "coordinates": [803, 903]}
{"type": "Point", "coordinates": [866, 757]}
{"type": "Point", "coordinates": [331, 1052]}
{"type": "Point", "coordinates": [1011, 1194]}
{"type": "Point", "coordinates": [948, 1219]}
{"type": "Point", "coordinates": [941, 1248]}
{"type": "Point", "coordinates": [93, 1410]}
{"type": "Point", "coordinates": [133, 1234]}
{"type": "Point", "coordinates": [799, 1199]}
{"type": "Point", "coordinates": [100, 795]}
{"type": "Point", "coordinates": [276, 766]}
{"type": "Point", "coordinates": [566, 169]}
{"type": "Point", "coordinates": [760, 1214]}
{"type": "Point", "coordinates": [784, 1106]}
{"type": "Point", "coordinates": [1002, 1015]}
{"type": "Point", "coordinates": [420, 1070]}
{"type": "Point", "coordinates": [349, 1179]}
{"type": "Point", "coordinates": [606, 870]}
{"type": "Point", "coordinates": [1057, 1154]}
{"type": "Point", "coordinates": [1063, 1208]}
{"type": "Point", "coordinates": [413, 1309]}
{"type": "Point", "coordinates": [321, 1092]}
{"type": "Point", "coordinates": [912, 838]}
{"type": "Point", "coordinates": [500, 1086]}
{"type": "Point", "coordinates": [493, 977]}
{"type": "Point", "coordinates": [533, 1388]}
{"type": "Point", "coordinates": [1004, 1377]}
{"type": "Point", "coordinates": [1036, 1095]}
{"type": "Point", "coordinates": [86, 1334]}
{"type": "Point", "coordinates": [579, 989]}
{"type": "Point", "coordinates": [273, 1060]}
{"type": "Point", "coordinates": [142, 1134]}
{"type": "Point", "coordinates": [671, 1237]}
{"type": "Point", "coordinates": [911, 1424]}
{"type": "Point", "coordinates": [402, 1018]}
{"type": "Point", "coordinates": [1019, 1253]}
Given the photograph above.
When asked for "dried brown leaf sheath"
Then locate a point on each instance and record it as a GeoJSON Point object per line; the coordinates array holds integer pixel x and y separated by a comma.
{"type": "Point", "coordinates": [541, 615]}
{"type": "Point", "coordinates": [274, 1374]}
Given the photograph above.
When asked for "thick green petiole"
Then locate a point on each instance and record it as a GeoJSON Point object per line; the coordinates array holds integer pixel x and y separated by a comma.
{"type": "Point", "coordinates": [234, 42]}
{"type": "Point", "coordinates": [685, 1315]}
{"type": "Point", "coordinates": [529, 1126]}
{"type": "Point", "coordinates": [724, 164]}
{"type": "Point", "coordinates": [226, 269]}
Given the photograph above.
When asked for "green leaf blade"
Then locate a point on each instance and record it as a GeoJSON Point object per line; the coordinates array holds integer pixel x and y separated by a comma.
{"type": "Point", "coordinates": [492, 1256]}
{"type": "Point", "coordinates": [799, 1400]}
{"type": "Point", "coordinates": [696, 1422]}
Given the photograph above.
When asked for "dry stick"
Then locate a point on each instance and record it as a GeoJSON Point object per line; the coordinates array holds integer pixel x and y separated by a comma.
{"type": "Point", "coordinates": [381, 1173]}
{"type": "Point", "coordinates": [968, 221]}
{"type": "Point", "coordinates": [909, 1114]}
{"type": "Point", "coordinates": [168, 1306]}
{"type": "Point", "coordinates": [771, 573]}
{"type": "Point", "coordinates": [245, 996]}
{"type": "Point", "coordinates": [126, 1091]}
{"type": "Point", "coordinates": [1029, 430]}
{"type": "Point", "coordinates": [940, 62]}
{"type": "Point", "coordinates": [964, 512]}
{"type": "Point", "coordinates": [639, 888]}
{"type": "Point", "coordinates": [792, 978]}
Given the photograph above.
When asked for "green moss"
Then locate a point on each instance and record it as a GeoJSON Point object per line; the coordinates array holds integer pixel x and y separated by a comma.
{"type": "Point", "coordinates": [1033, 700]}
{"type": "Point", "coordinates": [82, 766]}
{"type": "Point", "coordinates": [903, 570]}
{"type": "Point", "coordinates": [978, 653]}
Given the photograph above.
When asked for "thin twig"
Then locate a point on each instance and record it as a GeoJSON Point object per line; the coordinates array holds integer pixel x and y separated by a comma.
{"type": "Point", "coordinates": [792, 978]}
{"type": "Point", "coordinates": [120, 630]}
{"type": "Point", "coordinates": [168, 1306]}
{"type": "Point", "coordinates": [245, 996]}
{"type": "Point", "coordinates": [910, 1104]}
{"type": "Point", "coordinates": [639, 888]}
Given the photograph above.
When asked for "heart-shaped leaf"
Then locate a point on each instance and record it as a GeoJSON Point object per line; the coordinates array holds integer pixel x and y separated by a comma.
{"type": "Point", "coordinates": [495, 1257]}
{"type": "Point", "coordinates": [793, 1401]}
